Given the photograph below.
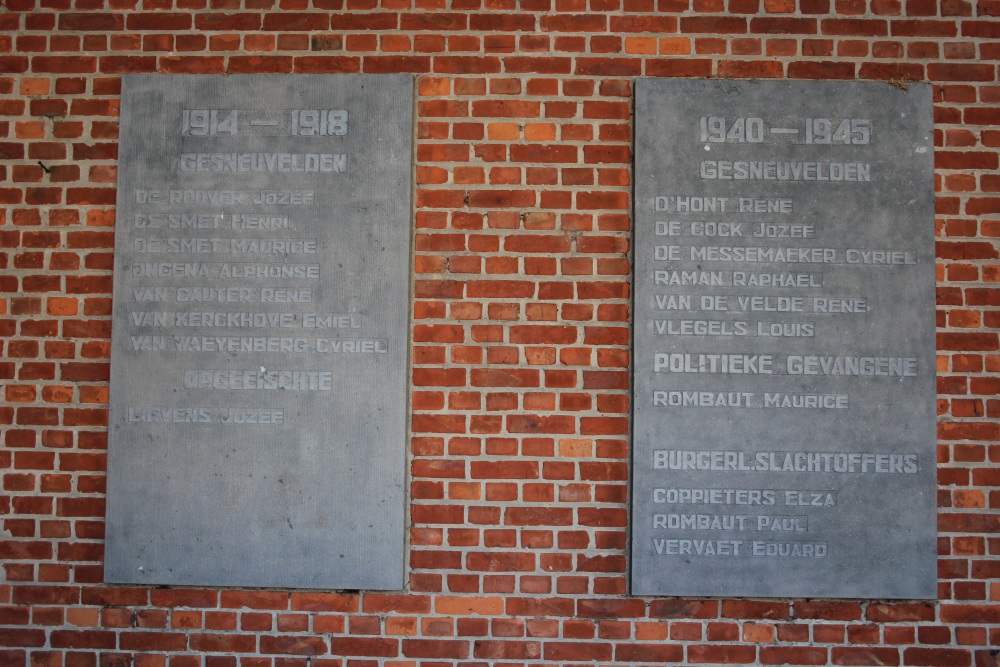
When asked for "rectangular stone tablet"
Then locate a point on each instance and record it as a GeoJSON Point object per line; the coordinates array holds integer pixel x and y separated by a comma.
{"type": "Point", "coordinates": [784, 358]}
{"type": "Point", "coordinates": [258, 408]}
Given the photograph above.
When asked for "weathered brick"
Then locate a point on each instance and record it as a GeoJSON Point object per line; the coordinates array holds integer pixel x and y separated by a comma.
{"type": "Point", "coordinates": [521, 346]}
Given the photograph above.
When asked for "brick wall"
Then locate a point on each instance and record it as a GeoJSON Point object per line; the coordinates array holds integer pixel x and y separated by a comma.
{"type": "Point", "coordinates": [520, 331]}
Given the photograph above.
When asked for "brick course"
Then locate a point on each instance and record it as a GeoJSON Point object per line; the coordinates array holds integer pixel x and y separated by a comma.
{"type": "Point", "coordinates": [520, 332]}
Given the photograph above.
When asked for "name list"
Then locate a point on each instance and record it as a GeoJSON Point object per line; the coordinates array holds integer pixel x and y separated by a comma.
{"type": "Point", "coordinates": [260, 323]}
{"type": "Point", "coordinates": [784, 340]}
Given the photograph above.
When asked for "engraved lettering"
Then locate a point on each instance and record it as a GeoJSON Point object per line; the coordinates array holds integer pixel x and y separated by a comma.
{"type": "Point", "coordinates": [687, 278]}
{"type": "Point", "coordinates": [249, 221]}
{"type": "Point", "coordinates": [177, 220]}
{"type": "Point", "coordinates": [768, 401]}
{"type": "Point", "coordinates": [286, 163]}
{"type": "Point", "coordinates": [745, 279]}
{"type": "Point", "coordinates": [283, 198]}
{"type": "Point", "coordinates": [724, 170]}
{"type": "Point", "coordinates": [725, 229]}
{"type": "Point", "coordinates": [233, 344]}
{"type": "Point", "coordinates": [702, 399]}
{"type": "Point", "coordinates": [250, 416]}
{"type": "Point", "coordinates": [685, 496]}
{"type": "Point", "coordinates": [713, 363]}
{"type": "Point", "coordinates": [673, 302]}
{"type": "Point", "coordinates": [702, 521]}
{"type": "Point", "coordinates": [151, 293]}
{"type": "Point", "coordinates": [838, 365]}
{"type": "Point", "coordinates": [789, 549]}
{"type": "Point", "coordinates": [810, 498]}
{"type": "Point", "coordinates": [305, 380]}
{"type": "Point", "coordinates": [273, 246]}
{"type": "Point", "coordinates": [676, 547]}
{"type": "Point", "coordinates": [792, 524]}
{"type": "Point", "coordinates": [213, 197]}
{"type": "Point", "coordinates": [783, 461]}
{"type": "Point", "coordinates": [771, 304]}
{"type": "Point", "coordinates": [285, 295]}
{"type": "Point", "coordinates": [771, 254]}
{"type": "Point", "coordinates": [701, 327]}
{"type": "Point", "coordinates": [786, 330]}
{"type": "Point", "coordinates": [310, 271]}
{"type": "Point", "coordinates": [148, 343]}
{"type": "Point", "coordinates": [764, 205]}
{"type": "Point", "coordinates": [687, 204]}
{"type": "Point", "coordinates": [167, 270]}
{"type": "Point", "coordinates": [806, 401]}
{"type": "Point", "coordinates": [170, 415]}
{"type": "Point", "coordinates": [880, 257]}
{"type": "Point", "coordinates": [327, 321]}
{"type": "Point", "coordinates": [782, 231]}
{"type": "Point", "coordinates": [214, 294]}
{"type": "Point", "coordinates": [832, 305]}
{"type": "Point", "coordinates": [351, 346]}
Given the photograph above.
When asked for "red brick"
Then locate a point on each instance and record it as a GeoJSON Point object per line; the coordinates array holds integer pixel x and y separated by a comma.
{"type": "Point", "coordinates": [255, 600]}
{"type": "Point", "coordinates": [435, 648]}
{"type": "Point", "coordinates": [21, 637]}
{"type": "Point", "coordinates": [574, 23]}
{"type": "Point", "coordinates": [937, 657]}
{"type": "Point", "coordinates": [64, 64]}
{"type": "Point", "coordinates": [636, 652]}
{"type": "Point", "coordinates": [865, 655]}
{"type": "Point", "coordinates": [968, 613]}
{"type": "Point", "coordinates": [540, 424]}
{"type": "Point", "coordinates": [537, 65]}
{"type": "Point", "coordinates": [228, 22]}
{"type": "Point", "coordinates": [293, 645]}
{"type": "Point", "coordinates": [507, 650]}
{"type": "Point", "coordinates": [165, 21]}
{"type": "Point", "coordinates": [792, 655]}
{"type": "Point", "coordinates": [577, 651]}
{"type": "Point", "coordinates": [395, 64]}
{"type": "Point", "coordinates": [721, 653]}
{"type": "Point", "coordinates": [216, 642]}
{"type": "Point", "coordinates": [83, 639]}
{"type": "Point", "coordinates": [821, 70]}
{"type": "Point", "coordinates": [152, 641]}
{"type": "Point", "coordinates": [324, 602]}
{"type": "Point", "coordinates": [91, 21]}
{"type": "Point", "coordinates": [713, 25]}
{"type": "Point", "coordinates": [399, 604]}
{"type": "Point", "coordinates": [259, 65]}
{"type": "Point", "coordinates": [854, 27]}
{"type": "Point", "coordinates": [184, 598]}
{"type": "Point", "coordinates": [960, 72]}
{"type": "Point", "coordinates": [364, 646]}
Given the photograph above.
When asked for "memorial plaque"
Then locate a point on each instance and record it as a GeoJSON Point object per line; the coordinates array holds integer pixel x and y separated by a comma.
{"type": "Point", "coordinates": [260, 332]}
{"type": "Point", "coordinates": [784, 405]}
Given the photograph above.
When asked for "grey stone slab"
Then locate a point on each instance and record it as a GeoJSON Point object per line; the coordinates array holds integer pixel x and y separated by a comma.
{"type": "Point", "coordinates": [258, 408]}
{"type": "Point", "coordinates": [784, 384]}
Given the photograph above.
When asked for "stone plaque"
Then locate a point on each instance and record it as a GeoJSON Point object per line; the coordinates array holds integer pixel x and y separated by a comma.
{"type": "Point", "coordinates": [260, 338]}
{"type": "Point", "coordinates": [784, 389]}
